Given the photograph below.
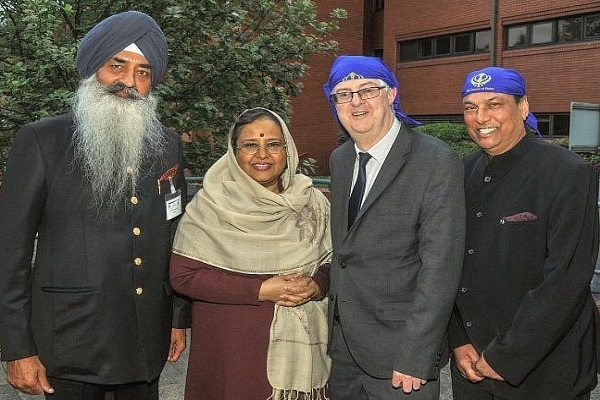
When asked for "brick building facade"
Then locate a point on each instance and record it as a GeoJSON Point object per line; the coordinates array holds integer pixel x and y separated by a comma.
{"type": "Point", "coordinates": [431, 45]}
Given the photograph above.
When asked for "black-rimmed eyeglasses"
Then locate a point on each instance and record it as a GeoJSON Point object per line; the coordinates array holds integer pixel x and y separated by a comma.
{"type": "Point", "coordinates": [364, 94]}
{"type": "Point", "coordinates": [271, 148]}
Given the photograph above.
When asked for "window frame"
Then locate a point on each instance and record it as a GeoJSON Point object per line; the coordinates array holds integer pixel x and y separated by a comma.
{"type": "Point", "coordinates": [477, 34]}
{"type": "Point", "coordinates": [513, 28]}
{"type": "Point", "coordinates": [567, 21]}
{"type": "Point", "coordinates": [437, 46]}
{"type": "Point", "coordinates": [552, 35]}
{"type": "Point", "coordinates": [583, 20]}
{"type": "Point", "coordinates": [585, 27]}
{"type": "Point", "coordinates": [428, 48]}
{"type": "Point", "coordinates": [471, 38]}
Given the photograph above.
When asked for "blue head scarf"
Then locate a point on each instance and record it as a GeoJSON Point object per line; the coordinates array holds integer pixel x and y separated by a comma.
{"type": "Point", "coordinates": [498, 80]}
{"type": "Point", "coordinates": [114, 34]}
{"type": "Point", "coordinates": [361, 67]}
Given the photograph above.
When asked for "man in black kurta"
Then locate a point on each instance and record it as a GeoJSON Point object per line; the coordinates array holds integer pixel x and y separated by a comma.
{"type": "Point", "coordinates": [102, 189]}
{"type": "Point", "coordinates": [524, 321]}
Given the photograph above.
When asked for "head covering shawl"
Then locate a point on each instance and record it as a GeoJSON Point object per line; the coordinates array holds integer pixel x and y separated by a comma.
{"type": "Point", "coordinates": [114, 34]}
{"type": "Point", "coordinates": [236, 224]}
{"type": "Point", "coordinates": [498, 80]}
{"type": "Point", "coordinates": [362, 67]}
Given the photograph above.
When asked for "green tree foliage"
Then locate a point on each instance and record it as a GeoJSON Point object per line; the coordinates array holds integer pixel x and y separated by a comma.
{"type": "Point", "coordinates": [225, 56]}
{"type": "Point", "coordinates": [591, 157]}
{"type": "Point", "coordinates": [454, 134]}
{"type": "Point", "coordinates": [457, 137]}
{"type": "Point", "coordinates": [37, 72]}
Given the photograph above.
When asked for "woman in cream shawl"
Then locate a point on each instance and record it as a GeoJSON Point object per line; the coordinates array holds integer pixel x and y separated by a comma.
{"type": "Point", "coordinates": [253, 251]}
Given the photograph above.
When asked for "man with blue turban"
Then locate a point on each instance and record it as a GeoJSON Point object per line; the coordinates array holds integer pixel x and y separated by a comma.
{"type": "Point", "coordinates": [397, 221]}
{"type": "Point", "coordinates": [524, 322]}
{"type": "Point", "coordinates": [96, 193]}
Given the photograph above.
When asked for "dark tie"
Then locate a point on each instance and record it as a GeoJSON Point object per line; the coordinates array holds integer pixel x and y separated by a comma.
{"type": "Point", "coordinates": [359, 188]}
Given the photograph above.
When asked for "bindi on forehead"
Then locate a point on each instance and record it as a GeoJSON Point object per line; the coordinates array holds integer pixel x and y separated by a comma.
{"type": "Point", "coordinates": [262, 135]}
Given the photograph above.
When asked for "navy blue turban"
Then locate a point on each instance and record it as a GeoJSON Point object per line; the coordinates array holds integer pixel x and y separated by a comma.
{"type": "Point", "coordinates": [361, 67]}
{"type": "Point", "coordinates": [114, 34]}
{"type": "Point", "coordinates": [498, 80]}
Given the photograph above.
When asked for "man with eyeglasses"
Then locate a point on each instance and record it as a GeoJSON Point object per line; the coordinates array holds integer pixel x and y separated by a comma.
{"type": "Point", "coordinates": [398, 232]}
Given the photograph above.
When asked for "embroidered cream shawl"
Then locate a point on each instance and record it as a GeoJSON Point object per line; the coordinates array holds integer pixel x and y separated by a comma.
{"type": "Point", "coordinates": [236, 224]}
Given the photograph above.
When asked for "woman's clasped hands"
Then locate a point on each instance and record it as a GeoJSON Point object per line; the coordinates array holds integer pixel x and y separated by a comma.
{"type": "Point", "coordinates": [289, 290]}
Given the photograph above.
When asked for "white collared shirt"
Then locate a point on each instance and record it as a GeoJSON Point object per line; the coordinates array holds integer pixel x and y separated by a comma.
{"type": "Point", "coordinates": [378, 154]}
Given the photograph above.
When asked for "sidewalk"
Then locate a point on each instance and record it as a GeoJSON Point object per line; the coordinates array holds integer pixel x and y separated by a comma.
{"type": "Point", "coordinates": [172, 382]}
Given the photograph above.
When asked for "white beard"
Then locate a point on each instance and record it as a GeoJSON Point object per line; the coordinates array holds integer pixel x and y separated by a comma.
{"type": "Point", "coordinates": [113, 137]}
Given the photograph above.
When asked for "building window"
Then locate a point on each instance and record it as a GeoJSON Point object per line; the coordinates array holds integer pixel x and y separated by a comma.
{"type": "Point", "coordinates": [517, 36]}
{"type": "Point", "coordinates": [444, 46]}
{"type": "Point", "coordinates": [463, 44]}
{"type": "Point", "coordinates": [569, 30]}
{"type": "Point", "coordinates": [553, 124]}
{"type": "Point", "coordinates": [541, 33]}
{"type": "Point", "coordinates": [592, 26]}
{"type": "Point", "coordinates": [543, 121]}
{"type": "Point", "coordinates": [408, 51]}
{"type": "Point", "coordinates": [563, 30]}
{"type": "Point", "coordinates": [379, 5]}
{"type": "Point", "coordinates": [482, 41]}
{"type": "Point", "coordinates": [560, 124]}
{"type": "Point", "coordinates": [425, 48]}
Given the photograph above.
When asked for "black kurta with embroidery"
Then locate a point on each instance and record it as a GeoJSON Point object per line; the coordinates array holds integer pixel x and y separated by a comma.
{"type": "Point", "coordinates": [530, 253]}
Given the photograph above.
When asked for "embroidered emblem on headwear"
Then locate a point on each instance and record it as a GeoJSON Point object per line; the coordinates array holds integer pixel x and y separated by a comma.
{"type": "Point", "coordinates": [480, 79]}
{"type": "Point", "coordinates": [506, 80]}
{"type": "Point", "coordinates": [353, 75]}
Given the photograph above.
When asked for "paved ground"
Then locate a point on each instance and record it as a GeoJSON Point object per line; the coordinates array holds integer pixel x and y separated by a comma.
{"type": "Point", "coordinates": [172, 381]}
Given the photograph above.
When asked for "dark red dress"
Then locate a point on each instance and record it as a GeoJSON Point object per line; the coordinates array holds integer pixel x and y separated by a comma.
{"type": "Point", "coordinates": [230, 330]}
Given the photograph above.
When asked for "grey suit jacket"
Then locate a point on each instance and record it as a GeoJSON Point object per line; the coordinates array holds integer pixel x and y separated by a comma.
{"type": "Point", "coordinates": [395, 272]}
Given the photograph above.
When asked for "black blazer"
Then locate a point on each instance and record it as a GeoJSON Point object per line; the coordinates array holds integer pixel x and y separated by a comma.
{"type": "Point", "coordinates": [531, 249]}
{"type": "Point", "coordinates": [97, 306]}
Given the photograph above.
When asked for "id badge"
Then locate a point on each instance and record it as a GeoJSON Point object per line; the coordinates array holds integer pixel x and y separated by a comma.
{"type": "Point", "coordinates": [173, 202]}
